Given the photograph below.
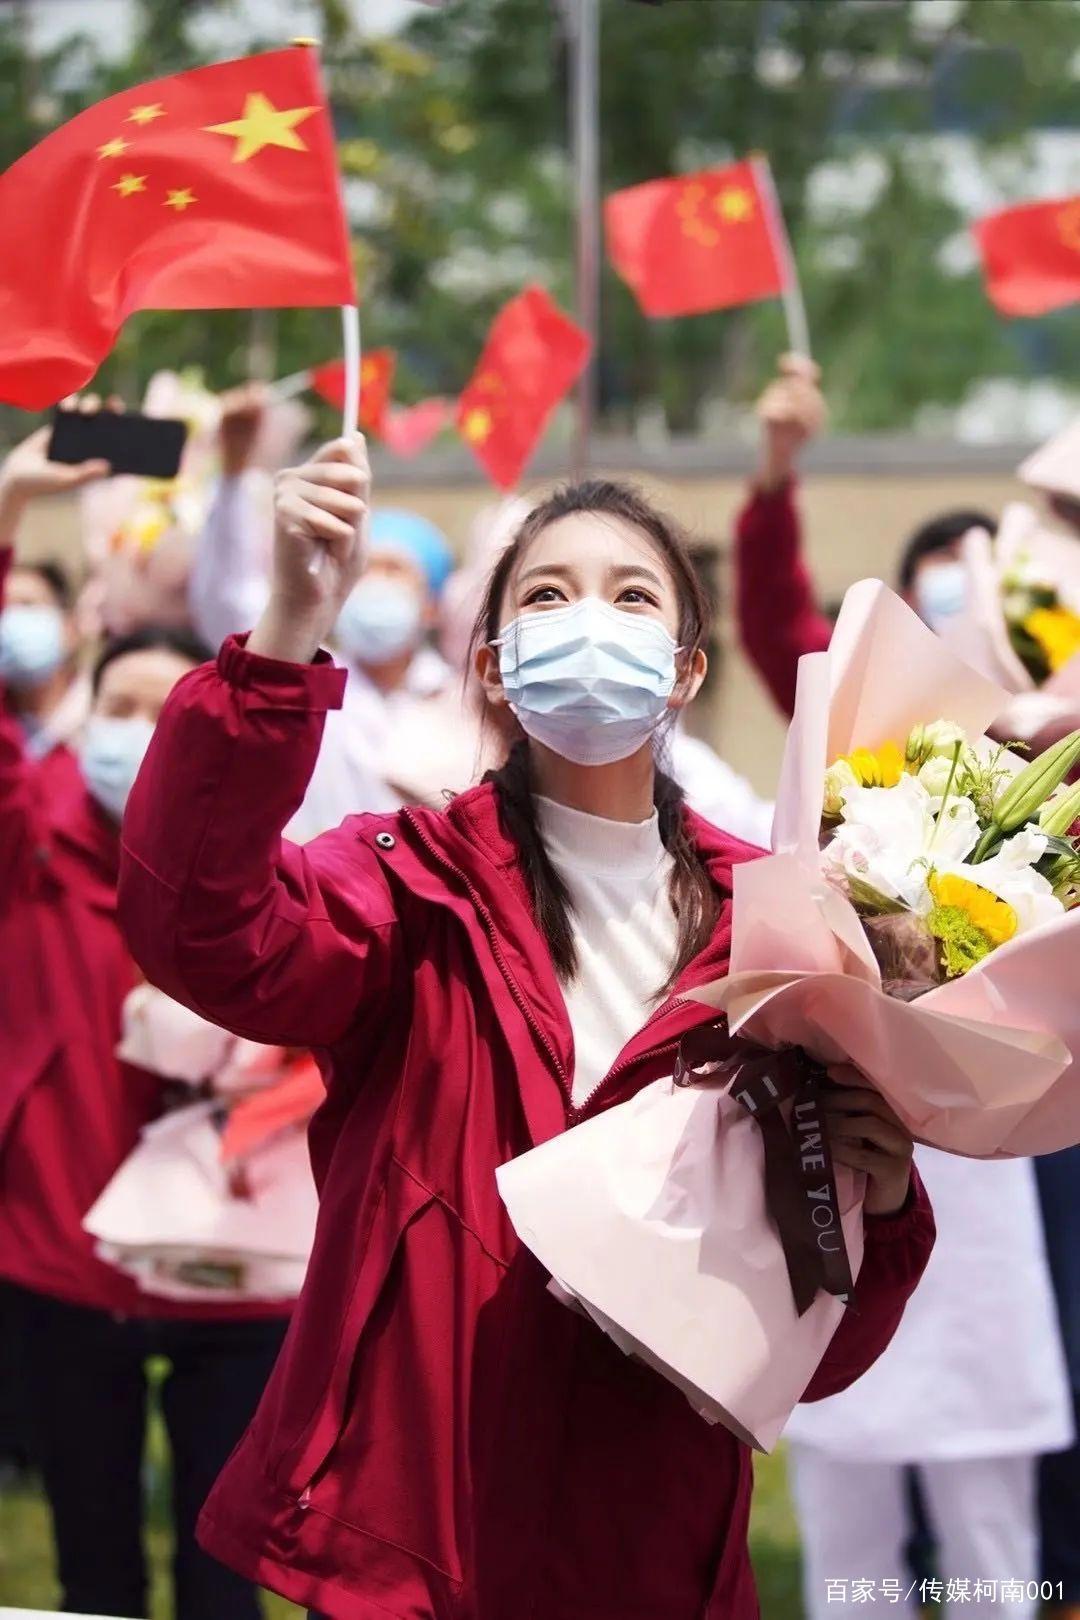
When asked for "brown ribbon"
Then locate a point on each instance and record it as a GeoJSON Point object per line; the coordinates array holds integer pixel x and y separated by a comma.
{"type": "Point", "coordinates": [800, 1184]}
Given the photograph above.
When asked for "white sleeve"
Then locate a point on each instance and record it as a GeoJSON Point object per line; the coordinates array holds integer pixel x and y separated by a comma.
{"type": "Point", "coordinates": [718, 793]}
{"type": "Point", "coordinates": [230, 573]}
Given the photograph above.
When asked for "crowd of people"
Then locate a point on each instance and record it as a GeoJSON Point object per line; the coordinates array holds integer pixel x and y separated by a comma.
{"type": "Point", "coordinates": [471, 860]}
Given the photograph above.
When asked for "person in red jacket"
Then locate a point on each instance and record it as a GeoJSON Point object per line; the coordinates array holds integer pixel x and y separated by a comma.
{"type": "Point", "coordinates": [778, 616]}
{"type": "Point", "coordinates": [441, 1437]}
{"type": "Point", "coordinates": [70, 1113]}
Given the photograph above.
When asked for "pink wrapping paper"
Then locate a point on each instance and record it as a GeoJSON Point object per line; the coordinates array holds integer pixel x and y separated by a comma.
{"type": "Point", "coordinates": [980, 635]}
{"type": "Point", "coordinates": [977, 1066]}
{"type": "Point", "coordinates": [652, 1215]}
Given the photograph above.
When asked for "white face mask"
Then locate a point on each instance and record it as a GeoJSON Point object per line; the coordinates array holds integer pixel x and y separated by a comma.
{"type": "Point", "coordinates": [112, 751]}
{"type": "Point", "coordinates": [31, 643]}
{"type": "Point", "coordinates": [590, 681]}
{"type": "Point", "coordinates": [380, 619]}
{"type": "Point", "coordinates": [941, 592]}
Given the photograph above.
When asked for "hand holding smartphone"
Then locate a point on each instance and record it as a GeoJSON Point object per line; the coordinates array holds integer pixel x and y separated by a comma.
{"type": "Point", "coordinates": [148, 446]}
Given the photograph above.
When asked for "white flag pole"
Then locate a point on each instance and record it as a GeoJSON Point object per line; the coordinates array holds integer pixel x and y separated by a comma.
{"type": "Point", "coordinates": [791, 296]}
{"type": "Point", "coordinates": [350, 326]}
{"type": "Point", "coordinates": [288, 387]}
{"type": "Point", "coordinates": [583, 30]}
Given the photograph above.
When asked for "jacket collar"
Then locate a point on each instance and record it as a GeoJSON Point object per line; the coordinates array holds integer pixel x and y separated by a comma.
{"type": "Point", "coordinates": [476, 814]}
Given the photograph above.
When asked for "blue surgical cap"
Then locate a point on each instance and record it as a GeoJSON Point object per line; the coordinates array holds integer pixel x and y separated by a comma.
{"type": "Point", "coordinates": [394, 529]}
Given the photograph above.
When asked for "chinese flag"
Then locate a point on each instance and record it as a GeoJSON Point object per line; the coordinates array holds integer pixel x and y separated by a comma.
{"type": "Point", "coordinates": [408, 429]}
{"type": "Point", "coordinates": [1031, 255]}
{"type": "Point", "coordinates": [376, 380]}
{"type": "Point", "coordinates": [702, 241]}
{"type": "Point", "coordinates": [533, 356]}
{"type": "Point", "coordinates": [215, 189]}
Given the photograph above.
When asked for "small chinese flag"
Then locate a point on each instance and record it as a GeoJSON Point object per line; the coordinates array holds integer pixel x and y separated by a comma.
{"type": "Point", "coordinates": [701, 241]}
{"type": "Point", "coordinates": [408, 429]}
{"type": "Point", "coordinates": [214, 189]}
{"type": "Point", "coordinates": [533, 356]}
{"type": "Point", "coordinates": [376, 380]}
{"type": "Point", "coordinates": [1031, 255]}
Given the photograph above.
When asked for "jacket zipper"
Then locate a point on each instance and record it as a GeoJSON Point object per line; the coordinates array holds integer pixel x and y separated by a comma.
{"type": "Point", "coordinates": [501, 962]}
{"type": "Point", "coordinates": [578, 1110]}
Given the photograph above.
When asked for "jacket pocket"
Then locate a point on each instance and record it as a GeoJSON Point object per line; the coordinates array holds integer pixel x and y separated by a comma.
{"type": "Point", "coordinates": [383, 1455]}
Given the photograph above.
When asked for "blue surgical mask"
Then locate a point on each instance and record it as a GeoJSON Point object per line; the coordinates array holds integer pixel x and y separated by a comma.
{"type": "Point", "coordinates": [31, 643]}
{"type": "Point", "coordinates": [111, 753]}
{"type": "Point", "coordinates": [941, 592]}
{"type": "Point", "coordinates": [589, 681]}
{"type": "Point", "coordinates": [381, 619]}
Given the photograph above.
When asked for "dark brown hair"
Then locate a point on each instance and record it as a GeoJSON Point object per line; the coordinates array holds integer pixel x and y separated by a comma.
{"type": "Point", "coordinates": [692, 895]}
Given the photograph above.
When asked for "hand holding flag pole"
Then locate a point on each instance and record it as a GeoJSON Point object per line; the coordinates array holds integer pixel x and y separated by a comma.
{"type": "Point", "coordinates": [350, 413]}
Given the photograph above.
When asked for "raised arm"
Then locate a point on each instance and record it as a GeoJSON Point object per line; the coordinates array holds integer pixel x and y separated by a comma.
{"type": "Point", "coordinates": [279, 943]}
{"type": "Point", "coordinates": [26, 475]}
{"type": "Point", "coordinates": [777, 611]}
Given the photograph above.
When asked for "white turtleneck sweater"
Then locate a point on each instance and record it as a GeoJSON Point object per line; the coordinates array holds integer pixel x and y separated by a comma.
{"type": "Point", "coordinates": [618, 874]}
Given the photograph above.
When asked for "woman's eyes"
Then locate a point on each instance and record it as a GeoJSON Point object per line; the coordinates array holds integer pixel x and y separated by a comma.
{"type": "Point", "coordinates": [544, 593]}
{"type": "Point", "coordinates": [632, 596]}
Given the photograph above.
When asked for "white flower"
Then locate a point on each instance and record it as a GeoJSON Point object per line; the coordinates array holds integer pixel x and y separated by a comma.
{"type": "Point", "coordinates": [935, 775]}
{"type": "Point", "coordinates": [940, 737]}
{"type": "Point", "coordinates": [839, 780]}
{"type": "Point", "coordinates": [1011, 875]}
{"type": "Point", "coordinates": [891, 838]}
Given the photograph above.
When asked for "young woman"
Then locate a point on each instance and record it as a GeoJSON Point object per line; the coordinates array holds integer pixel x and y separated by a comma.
{"type": "Point", "coordinates": [441, 1438]}
{"type": "Point", "coordinates": [70, 1113]}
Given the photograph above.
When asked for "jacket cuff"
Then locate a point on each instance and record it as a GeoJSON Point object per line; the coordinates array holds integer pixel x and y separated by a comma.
{"type": "Point", "coordinates": [914, 1212]}
{"type": "Point", "coordinates": [276, 684]}
{"type": "Point", "coordinates": [782, 495]}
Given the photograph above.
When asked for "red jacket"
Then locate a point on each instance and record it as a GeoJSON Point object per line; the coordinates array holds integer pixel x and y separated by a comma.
{"type": "Point", "coordinates": [70, 1113]}
{"type": "Point", "coordinates": [440, 1439]}
{"type": "Point", "coordinates": [778, 616]}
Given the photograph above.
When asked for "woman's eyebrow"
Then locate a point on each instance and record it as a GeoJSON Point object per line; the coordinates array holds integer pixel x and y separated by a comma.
{"type": "Point", "coordinates": [624, 571]}
{"type": "Point", "coordinates": [548, 570]}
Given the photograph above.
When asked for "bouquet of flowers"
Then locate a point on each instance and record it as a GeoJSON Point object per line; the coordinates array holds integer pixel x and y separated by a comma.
{"type": "Point", "coordinates": [919, 921]}
{"type": "Point", "coordinates": [216, 1201]}
{"type": "Point", "coordinates": [1021, 625]}
{"type": "Point", "coordinates": [948, 850]}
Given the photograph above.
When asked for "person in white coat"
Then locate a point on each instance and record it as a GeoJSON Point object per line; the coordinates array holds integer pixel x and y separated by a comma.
{"type": "Point", "coordinates": [971, 1390]}
{"type": "Point", "coordinates": [382, 635]}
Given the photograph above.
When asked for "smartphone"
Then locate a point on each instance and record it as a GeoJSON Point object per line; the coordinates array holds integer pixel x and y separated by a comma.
{"type": "Point", "coordinates": [150, 446]}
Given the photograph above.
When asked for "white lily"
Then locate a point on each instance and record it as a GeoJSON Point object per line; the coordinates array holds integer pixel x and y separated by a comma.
{"type": "Point", "coordinates": [890, 838]}
{"type": "Point", "coordinates": [1011, 875]}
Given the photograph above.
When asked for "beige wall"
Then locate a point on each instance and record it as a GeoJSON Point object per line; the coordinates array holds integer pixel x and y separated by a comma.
{"type": "Point", "coordinates": [855, 525]}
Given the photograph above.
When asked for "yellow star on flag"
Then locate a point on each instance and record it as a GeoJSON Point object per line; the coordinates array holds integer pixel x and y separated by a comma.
{"type": "Point", "coordinates": [477, 426]}
{"type": "Point", "coordinates": [734, 204]}
{"type": "Point", "coordinates": [369, 372]}
{"type": "Point", "coordinates": [263, 124]}
{"type": "Point", "coordinates": [146, 115]}
{"type": "Point", "coordinates": [181, 199]}
{"type": "Point", "coordinates": [128, 184]}
{"type": "Point", "coordinates": [113, 148]}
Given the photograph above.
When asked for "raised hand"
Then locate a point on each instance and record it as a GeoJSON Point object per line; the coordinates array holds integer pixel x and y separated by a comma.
{"type": "Point", "coordinates": [791, 410]}
{"type": "Point", "coordinates": [27, 473]}
{"type": "Point", "coordinates": [242, 411]}
{"type": "Point", "coordinates": [320, 523]}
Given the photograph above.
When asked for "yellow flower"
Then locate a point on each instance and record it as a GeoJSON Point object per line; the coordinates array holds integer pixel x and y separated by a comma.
{"type": "Point", "coordinates": [1057, 631]}
{"type": "Point", "coordinates": [882, 768]}
{"type": "Point", "coordinates": [993, 917]}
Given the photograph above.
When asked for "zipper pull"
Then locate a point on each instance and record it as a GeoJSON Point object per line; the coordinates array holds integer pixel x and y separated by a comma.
{"type": "Point", "coordinates": [303, 1501]}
